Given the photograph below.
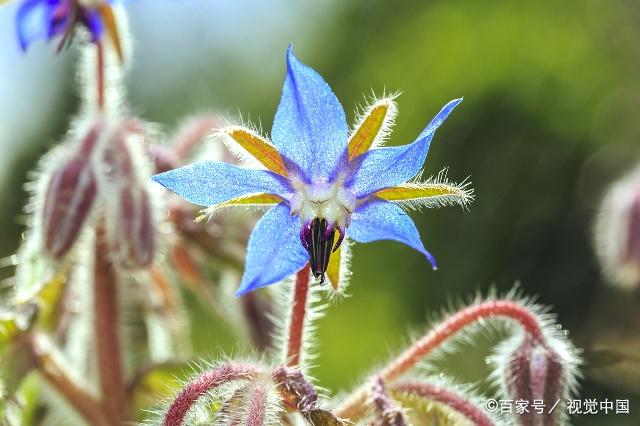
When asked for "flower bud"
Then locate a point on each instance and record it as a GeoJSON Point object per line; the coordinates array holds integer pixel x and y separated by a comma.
{"type": "Point", "coordinates": [541, 375]}
{"type": "Point", "coordinates": [135, 227]}
{"type": "Point", "coordinates": [131, 217]}
{"type": "Point", "coordinates": [388, 413]}
{"type": "Point", "coordinates": [69, 200]}
{"type": "Point", "coordinates": [618, 232]}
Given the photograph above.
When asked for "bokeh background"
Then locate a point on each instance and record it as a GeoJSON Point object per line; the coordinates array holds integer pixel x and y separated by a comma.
{"type": "Point", "coordinates": [550, 119]}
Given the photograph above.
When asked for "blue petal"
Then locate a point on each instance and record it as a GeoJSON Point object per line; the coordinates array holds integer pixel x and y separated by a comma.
{"type": "Point", "coordinates": [209, 182]}
{"type": "Point", "coordinates": [385, 167]}
{"type": "Point", "coordinates": [310, 128]}
{"type": "Point", "coordinates": [31, 21]}
{"type": "Point", "coordinates": [380, 220]}
{"type": "Point", "coordinates": [93, 21]}
{"type": "Point", "coordinates": [274, 251]}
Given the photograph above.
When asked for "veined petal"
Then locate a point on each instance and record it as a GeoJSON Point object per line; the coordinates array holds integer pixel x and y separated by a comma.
{"type": "Point", "coordinates": [385, 167]}
{"type": "Point", "coordinates": [373, 126]}
{"type": "Point", "coordinates": [209, 182]}
{"type": "Point", "coordinates": [427, 194]}
{"type": "Point", "coordinates": [259, 148]}
{"type": "Point", "coordinates": [310, 128]}
{"type": "Point", "coordinates": [338, 272]}
{"type": "Point", "coordinates": [274, 250]}
{"type": "Point", "coordinates": [380, 220]}
{"type": "Point", "coordinates": [31, 21]}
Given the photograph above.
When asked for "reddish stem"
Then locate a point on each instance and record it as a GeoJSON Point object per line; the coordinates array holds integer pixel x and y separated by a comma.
{"type": "Point", "coordinates": [107, 334]}
{"type": "Point", "coordinates": [355, 406]}
{"type": "Point", "coordinates": [100, 75]}
{"type": "Point", "coordinates": [451, 399]}
{"type": "Point", "coordinates": [256, 411]}
{"type": "Point", "coordinates": [299, 309]}
{"type": "Point", "coordinates": [202, 384]}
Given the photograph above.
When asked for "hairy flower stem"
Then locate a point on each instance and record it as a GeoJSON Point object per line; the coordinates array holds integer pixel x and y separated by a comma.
{"type": "Point", "coordinates": [446, 397]}
{"type": "Point", "coordinates": [202, 384]}
{"type": "Point", "coordinates": [299, 309]}
{"type": "Point", "coordinates": [355, 406]}
{"type": "Point", "coordinates": [100, 76]}
{"type": "Point", "coordinates": [76, 395]}
{"type": "Point", "coordinates": [107, 334]}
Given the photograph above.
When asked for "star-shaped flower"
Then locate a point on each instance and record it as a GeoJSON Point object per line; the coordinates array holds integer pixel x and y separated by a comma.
{"type": "Point", "coordinates": [49, 19]}
{"type": "Point", "coordinates": [326, 185]}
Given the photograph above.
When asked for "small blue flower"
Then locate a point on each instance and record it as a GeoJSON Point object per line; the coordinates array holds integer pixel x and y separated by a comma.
{"type": "Point", "coordinates": [325, 184]}
{"type": "Point", "coordinates": [49, 19]}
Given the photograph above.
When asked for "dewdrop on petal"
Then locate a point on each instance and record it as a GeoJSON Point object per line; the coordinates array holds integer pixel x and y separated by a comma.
{"type": "Point", "coordinates": [618, 232]}
{"type": "Point", "coordinates": [70, 196]}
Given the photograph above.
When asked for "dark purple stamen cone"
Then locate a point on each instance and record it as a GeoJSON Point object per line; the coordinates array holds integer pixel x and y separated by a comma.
{"type": "Point", "coordinates": [317, 237]}
{"type": "Point", "coordinates": [535, 373]}
{"type": "Point", "coordinates": [69, 199]}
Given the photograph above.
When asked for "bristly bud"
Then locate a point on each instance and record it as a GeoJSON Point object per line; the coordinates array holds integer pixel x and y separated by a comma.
{"type": "Point", "coordinates": [70, 197]}
{"type": "Point", "coordinates": [298, 394]}
{"type": "Point", "coordinates": [132, 227]}
{"type": "Point", "coordinates": [541, 373]}
{"type": "Point", "coordinates": [388, 412]}
{"type": "Point", "coordinates": [296, 391]}
{"type": "Point", "coordinates": [618, 232]}
{"type": "Point", "coordinates": [135, 227]}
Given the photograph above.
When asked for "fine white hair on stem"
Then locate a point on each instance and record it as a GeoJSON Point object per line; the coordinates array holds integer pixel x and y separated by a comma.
{"type": "Point", "coordinates": [281, 318]}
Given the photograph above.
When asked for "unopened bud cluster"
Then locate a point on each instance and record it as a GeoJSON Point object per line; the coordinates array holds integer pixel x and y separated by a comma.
{"type": "Point", "coordinates": [98, 178]}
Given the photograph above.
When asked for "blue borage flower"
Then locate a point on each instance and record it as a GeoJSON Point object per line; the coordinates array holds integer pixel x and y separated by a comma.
{"type": "Point", "coordinates": [49, 19]}
{"type": "Point", "coordinates": [324, 184]}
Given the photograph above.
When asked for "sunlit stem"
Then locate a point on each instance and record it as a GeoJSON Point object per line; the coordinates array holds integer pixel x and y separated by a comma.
{"type": "Point", "coordinates": [201, 385]}
{"type": "Point", "coordinates": [73, 392]}
{"type": "Point", "coordinates": [444, 396]}
{"type": "Point", "coordinates": [100, 76]}
{"type": "Point", "coordinates": [355, 406]}
{"type": "Point", "coordinates": [107, 334]}
{"type": "Point", "coordinates": [298, 312]}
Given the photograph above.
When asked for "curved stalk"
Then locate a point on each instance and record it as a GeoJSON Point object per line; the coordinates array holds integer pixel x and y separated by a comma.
{"type": "Point", "coordinates": [202, 384]}
{"type": "Point", "coordinates": [355, 406]}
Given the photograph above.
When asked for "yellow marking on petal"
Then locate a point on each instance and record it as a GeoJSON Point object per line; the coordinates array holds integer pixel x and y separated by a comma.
{"type": "Point", "coordinates": [338, 269]}
{"type": "Point", "coordinates": [363, 138]}
{"type": "Point", "coordinates": [416, 191]}
{"type": "Point", "coordinates": [333, 270]}
{"type": "Point", "coordinates": [112, 28]}
{"type": "Point", "coordinates": [254, 200]}
{"type": "Point", "coordinates": [259, 148]}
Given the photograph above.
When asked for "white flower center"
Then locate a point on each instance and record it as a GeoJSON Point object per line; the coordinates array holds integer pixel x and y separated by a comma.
{"type": "Point", "coordinates": [331, 202]}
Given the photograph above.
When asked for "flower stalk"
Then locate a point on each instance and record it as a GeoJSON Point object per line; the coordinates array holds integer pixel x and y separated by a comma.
{"type": "Point", "coordinates": [355, 406]}
{"type": "Point", "coordinates": [100, 76]}
{"type": "Point", "coordinates": [299, 308]}
{"type": "Point", "coordinates": [445, 396]}
{"type": "Point", "coordinates": [107, 334]}
{"type": "Point", "coordinates": [202, 384]}
{"type": "Point", "coordinates": [74, 393]}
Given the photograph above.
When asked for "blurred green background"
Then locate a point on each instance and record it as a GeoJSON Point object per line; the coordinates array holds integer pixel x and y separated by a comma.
{"type": "Point", "coordinates": [549, 120]}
